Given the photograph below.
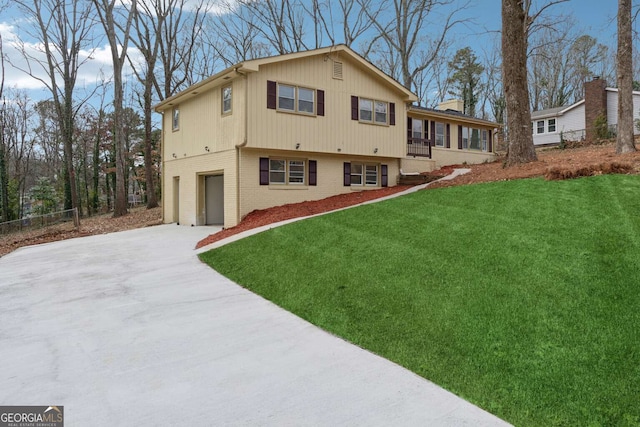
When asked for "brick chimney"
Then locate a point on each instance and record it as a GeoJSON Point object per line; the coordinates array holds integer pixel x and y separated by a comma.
{"type": "Point", "coordinates": [595, 104]}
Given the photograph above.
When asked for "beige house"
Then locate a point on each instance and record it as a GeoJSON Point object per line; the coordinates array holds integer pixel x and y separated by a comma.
{"type": "Point", "coordinates": [291, 128]}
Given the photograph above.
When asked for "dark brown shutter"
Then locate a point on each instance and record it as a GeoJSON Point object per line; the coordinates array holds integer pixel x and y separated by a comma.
{"type": "Point", "coordinates": [459, 137]}
{"type": "Point", "coordinates": [347, 174]}
{"type": "Point", "coordinates": [409, 129]}
{"type": "Point", "coordinates": [320, 108]}
{"type": "Point", "coordinates": [426, 129]}
{"type": "Point", "coordinates": [264, 171]}
{"type": "Point", "coordinates": [354, 108]}
{"type": "Point", "coordinates": [433, 133]}
{"type": "Point", "coordinates": [384, 181]}
{"type": "Point", "coordinates": [490, 143]}
{"type": "Point", "coordinates": [392, 113]}
{"type": "Point", "coordinates": [272, 97]}
{"type": "Point", "coordinates": [448, 135]}
{"type": "Point", "coordinates": [313, 172]}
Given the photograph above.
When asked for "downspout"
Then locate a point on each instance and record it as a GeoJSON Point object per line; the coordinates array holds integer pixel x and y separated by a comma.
{"type": "Point", "coordinates": [243, 143]}
{"type": "Point", "coordinates": [162, 167]}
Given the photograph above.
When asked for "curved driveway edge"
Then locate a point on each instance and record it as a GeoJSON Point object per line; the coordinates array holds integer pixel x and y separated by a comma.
{"type": "Point", "coordinates": [131, 328]}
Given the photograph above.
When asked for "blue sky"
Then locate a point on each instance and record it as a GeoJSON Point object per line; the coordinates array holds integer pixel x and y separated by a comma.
{"type": "Point", "coordinates": [595, 17]}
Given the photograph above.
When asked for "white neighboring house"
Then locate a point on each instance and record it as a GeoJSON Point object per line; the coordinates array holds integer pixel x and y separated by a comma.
{"type": "Point", "coordinates": [575, 122]}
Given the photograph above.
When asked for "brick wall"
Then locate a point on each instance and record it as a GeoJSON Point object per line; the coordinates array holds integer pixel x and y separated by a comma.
{"type": "Point", "coordinates": [595, 104]}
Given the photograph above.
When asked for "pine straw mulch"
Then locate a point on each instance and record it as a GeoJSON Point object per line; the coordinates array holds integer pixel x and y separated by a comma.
{"type": "Point", "coordinates": [552, 163]}
{"type": "Point", "coordinates": [99, 224]}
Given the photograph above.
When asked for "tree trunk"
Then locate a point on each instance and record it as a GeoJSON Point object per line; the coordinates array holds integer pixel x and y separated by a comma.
{"type": "Point", "coordinates": [152, 200]}
{"type": "Point", "coordinates": [516, 92]}
{"type": "Point", "coordinates": [625, 138]}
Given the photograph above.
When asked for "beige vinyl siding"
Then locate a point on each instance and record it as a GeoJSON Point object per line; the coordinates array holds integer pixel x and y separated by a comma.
{"type": "Point", "coordinates": [330, 173]}
{"type": "Point", "coordinates": [202, 123]}
{"type": "Point", "coordinates": [334, 132]}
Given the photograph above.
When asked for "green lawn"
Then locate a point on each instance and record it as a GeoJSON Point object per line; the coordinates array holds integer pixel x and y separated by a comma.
{"type": "Point", "coordinates": [522, 297]}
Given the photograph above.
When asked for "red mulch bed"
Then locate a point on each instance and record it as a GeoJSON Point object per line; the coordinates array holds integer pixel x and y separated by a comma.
{"type": "Point", "coordinates": [552, 163]}
{"type": "Point", "coordinates": [258, 218]}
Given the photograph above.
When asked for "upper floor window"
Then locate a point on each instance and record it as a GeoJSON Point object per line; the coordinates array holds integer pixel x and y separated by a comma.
{"type": "Point", "coordinates": [226, 100]}
{"type": "Point", "coordinates": [296, 99]}
{"type": "Point", "coordinates": [369, 110]}
{"type": "Point", "coordinates": [175, 119]}
{"type": "Point", "coordinates": [551, 125]}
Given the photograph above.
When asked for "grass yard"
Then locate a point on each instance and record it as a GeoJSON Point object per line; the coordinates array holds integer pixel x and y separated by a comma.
{"type": "Point", "coordinates": [522, 297]}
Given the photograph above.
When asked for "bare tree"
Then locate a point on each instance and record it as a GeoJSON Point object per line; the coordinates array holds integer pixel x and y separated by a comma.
{"type": "Point", "coordinates": [64, 29]}
{"type": "Point", "coordinates": [119, 38]}
{"type": "Point", "coordinates": [4, 180]}
{"type": "Point", "coordinates": [515, 22]}
{"type": "Point", "coordinates": [625, 140]}
{"type": "Point", "coordinates": [402, 37]}
{"type": "Point", "coordinates": [279, 22]}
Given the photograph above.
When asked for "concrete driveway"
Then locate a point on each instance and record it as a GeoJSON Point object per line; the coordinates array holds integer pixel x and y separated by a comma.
{"type": "Point", "coordinates": [131, 329]}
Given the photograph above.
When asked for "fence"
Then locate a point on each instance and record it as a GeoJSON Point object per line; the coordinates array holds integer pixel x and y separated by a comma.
{"type": "Point", "coordinates": [60, 218]}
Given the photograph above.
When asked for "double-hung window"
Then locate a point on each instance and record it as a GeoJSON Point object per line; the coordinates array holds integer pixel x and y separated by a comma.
{"type": "Point", "coordinates": [283, 171]}
{"type": "Point", "coordinates": [364, 174]}
{"type": "Point", "coordinates": [475, 139]}
{"type": "Point", "coordinates": [381, 112]}
{"type": "Point", "coordinates": [175, 119]}
{"type": "Point", "coordinates": [551, 125]}
{"type": "Point", "coordinates": [465, 138]}
{"type": "Point", "coordinates": [485, 140]}
{"type": "Point", "coordinates": [373, 111]}
{"type": "Point", "coordinates": [416, 129]}
{"type": "Point", "coordinates": [439, 135]}
{"type": "Point", "coordinates": [226, 100]}
{"type": "Point", "coordinates": [540, 125]}
{"type": "Point", "coordinates": [366, 110]}
{"type": "Point", "coordinates": [286, 97]}
{"type": "Point", "coordinates": [296, 99]}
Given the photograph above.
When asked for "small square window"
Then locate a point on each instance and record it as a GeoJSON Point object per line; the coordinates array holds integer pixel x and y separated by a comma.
{"type": "Point", "coordinates": [175, 119]}
{"type": "Point", "coordinates": [226, 100]}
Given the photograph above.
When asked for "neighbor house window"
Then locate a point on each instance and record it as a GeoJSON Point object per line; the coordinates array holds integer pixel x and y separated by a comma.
{"type": "Point", "coordinates": [226, 100]}
{"type": "Point", "coordinates": [551, 125]}
{"type": "Point", "coordinates": [175, 119]}
{"type": "Point", "coordinates": [540, 125]}
{"type": "Point", "coordinates": [439, 135]}
{"type": "Point", "coordinates": [283, 171]}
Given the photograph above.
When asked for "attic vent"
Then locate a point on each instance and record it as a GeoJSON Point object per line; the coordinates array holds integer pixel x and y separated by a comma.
{"type": "Point", "coordinates": [337, 70]}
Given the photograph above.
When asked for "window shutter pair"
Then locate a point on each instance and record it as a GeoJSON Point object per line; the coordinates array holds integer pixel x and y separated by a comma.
{"type": "Point", "coordinates": [384, 175]}
{"type": "Point", "coordinates": [264, 171]}
{"type": "Point", "coordinates": [355, 110]}
{"type": "Point", "coordinates": [272, 98]}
